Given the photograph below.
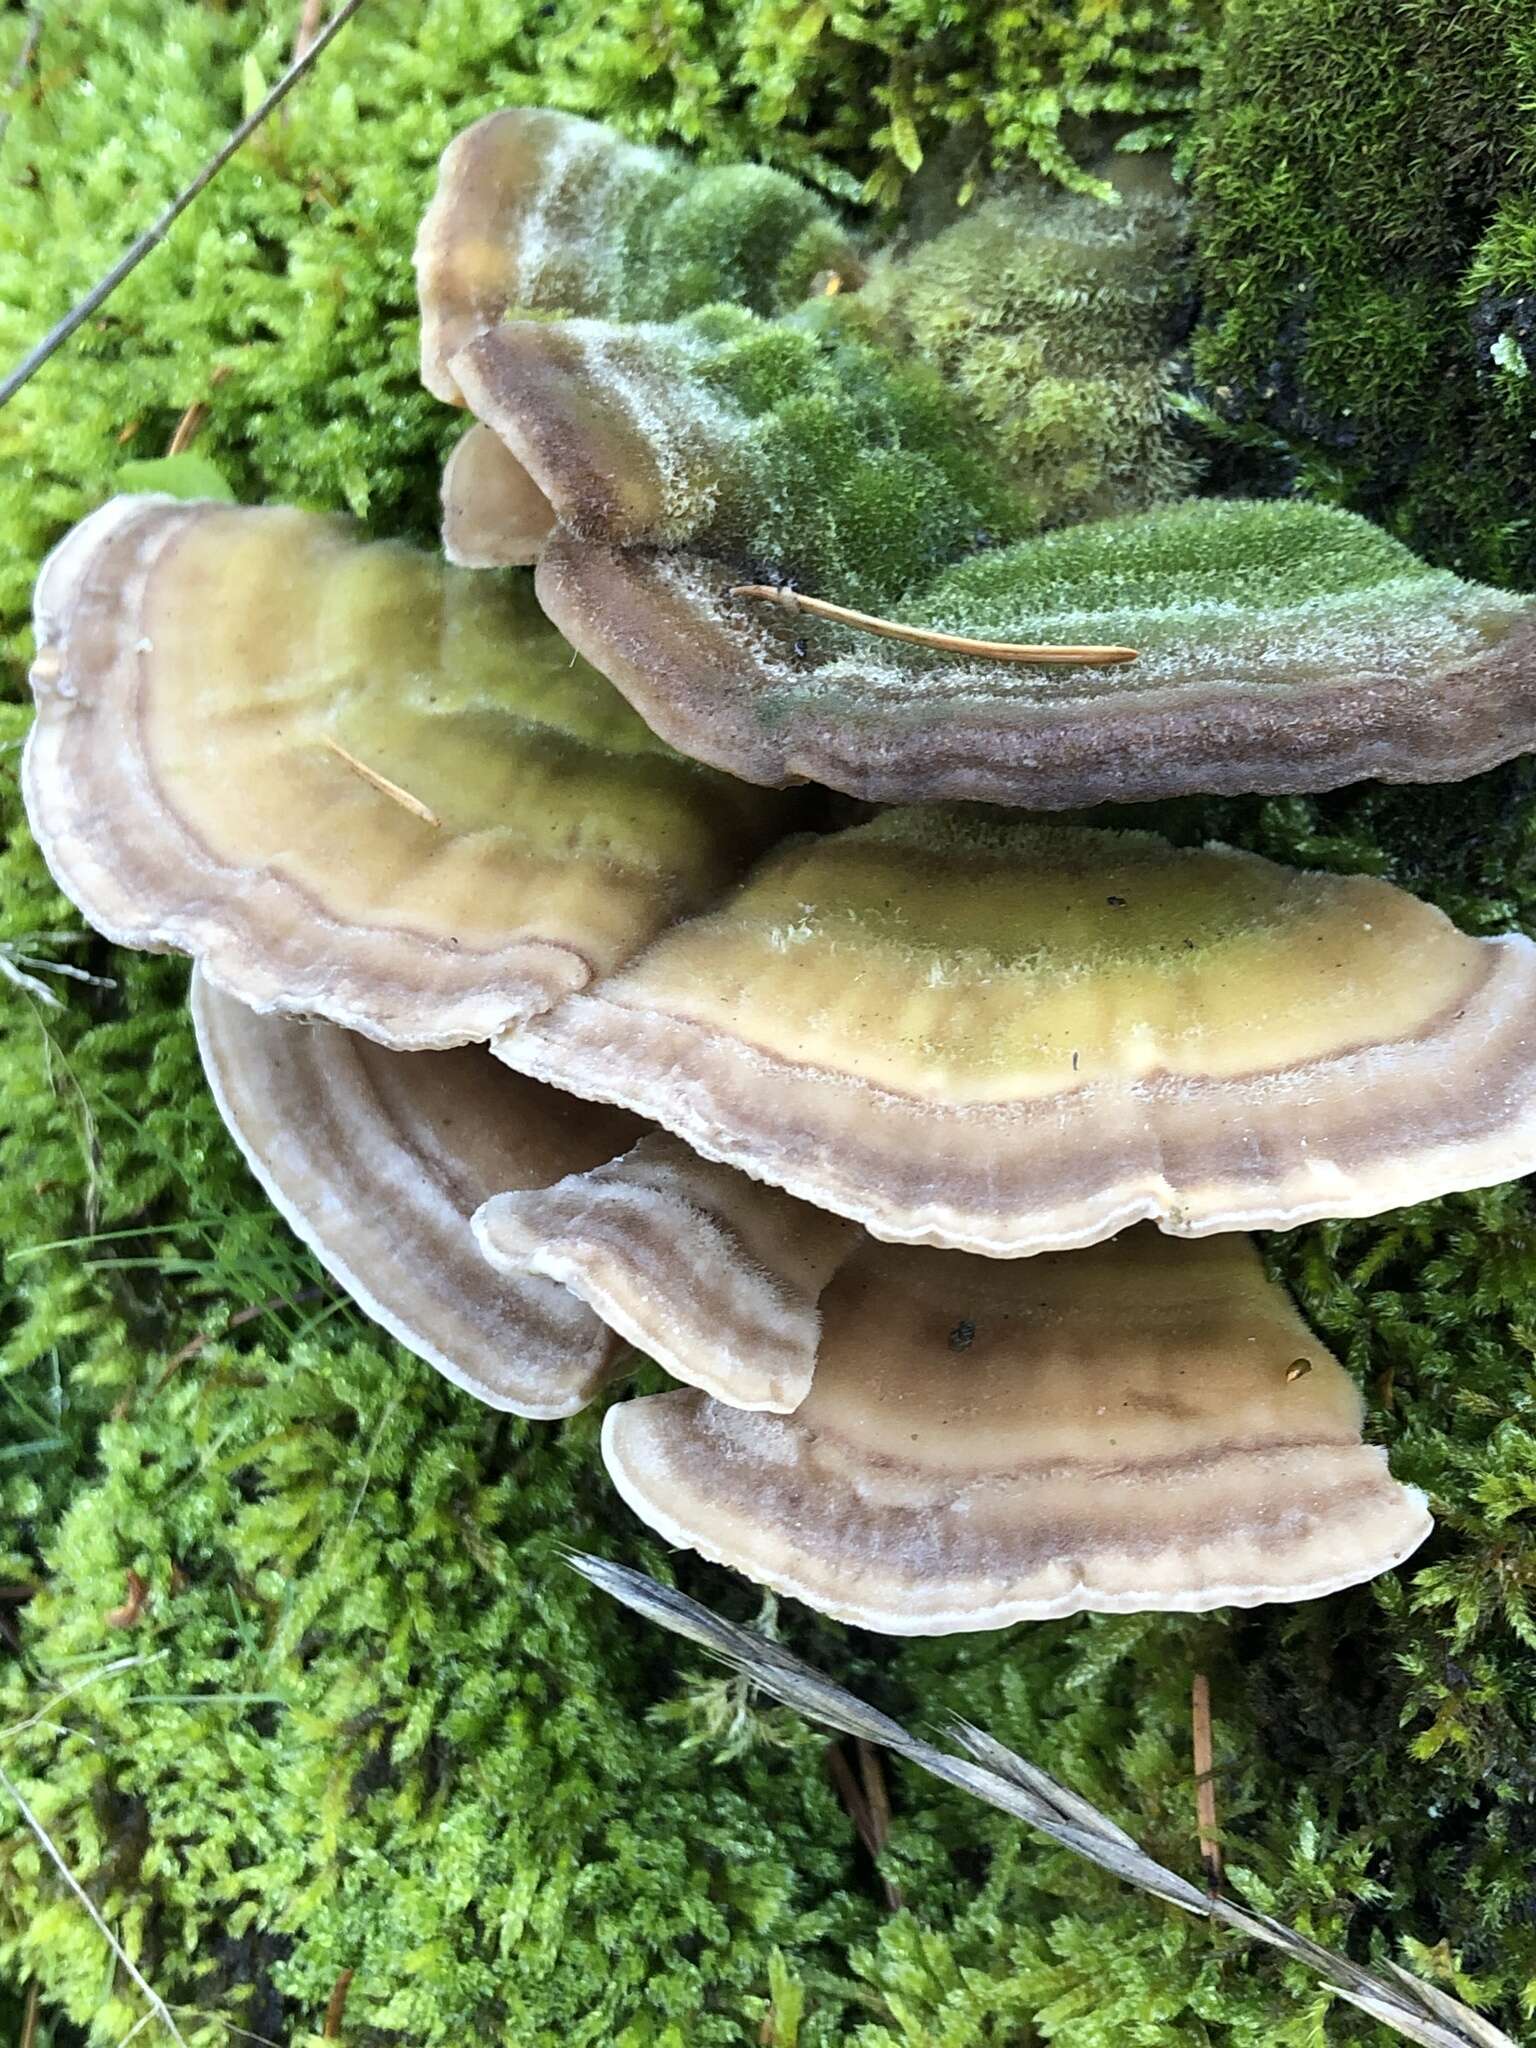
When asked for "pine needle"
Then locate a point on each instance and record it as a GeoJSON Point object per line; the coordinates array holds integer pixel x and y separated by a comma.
{"type": "Point", "coordinates": [926, 636]}
{"type": "Point", "coordinates": [990, 1771]}
{"type": "Point", "coordinates": [382, 783]}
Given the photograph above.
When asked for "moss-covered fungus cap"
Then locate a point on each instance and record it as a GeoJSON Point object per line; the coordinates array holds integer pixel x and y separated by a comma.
{"type": "Point", "coordinates": [378, 1159]}
{"type": "Point", "coordinates": [968, 1030]}
{"type": "Point", "coordinates": [1281, 647]}
{"type": "Point", "coordinates": [715, 1276]}
{"type": "Point", "coordinates": [351, 782]}
{"type": "Point", "coordinates": [1146, 1425]}
{"type": "Point", "coordinates": [542, 212]}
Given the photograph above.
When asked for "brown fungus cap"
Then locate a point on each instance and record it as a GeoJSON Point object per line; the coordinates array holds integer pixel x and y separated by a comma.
{"type": "Point", "coordinates": [543, 213]}
{"type": "Point", "coordinates": [494, 514]}
{"type": "Point", "coordinates": [1146, 1425]}
{"type": "Point", "coordinates": [1280, 647]}
{"type": "Point", "coordinates": [968, 1030]}
{"type": "Point", "coordinates": [378, 1159]}
{"type": "Point", "coordinates": [504, 227]}
{"type": "Point", "coordinates": [713, 1275]}
{"type": "Point", "coordinates": [351, 782]}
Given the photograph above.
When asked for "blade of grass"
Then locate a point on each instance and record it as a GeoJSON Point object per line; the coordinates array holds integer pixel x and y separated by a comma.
{"type": "Point", "coordinates": [1418, 2011]}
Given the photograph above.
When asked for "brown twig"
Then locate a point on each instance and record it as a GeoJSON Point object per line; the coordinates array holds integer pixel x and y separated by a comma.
{"type": "Point", "coordinates": [152, 236]}
{"type": "Point", "coordinates": [31, 37]}
{"type": "Point", "coordinates": [924, 636]}
{"type": "Point", "coordinates": [205, 1337]}
{"type": "Point", "coordinates": [870, 1825]}
{"type": "Point", "coordinates": [29, 2018]}
{"type": "Point", "coordinates": [1205, 1781]}
{"type": "Point", "coordinates": [308, 29]}
{"type": "Point", "coordinates": [382, 783]}
{"type": "Point", "coordinates": [196, 416]}
{"type": "Point", "coordinates": [336, 2006]}
{"type": "Point", "coordinates": [188, 427]}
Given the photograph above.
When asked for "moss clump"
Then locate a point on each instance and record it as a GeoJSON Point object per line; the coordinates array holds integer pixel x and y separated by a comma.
{"type": "Point", "coordinates": [1366, 252]}
{"type": "Point", "coordinates": [383, 1731]}
{"type": "Point", "coordinates": [857, 96]}
{"type": "Point", "coordinates": [642, 234]}
{"type": "Point", "coordinates": [1057, 318]}
{"type": "Point", "coordinates": [797, 447]}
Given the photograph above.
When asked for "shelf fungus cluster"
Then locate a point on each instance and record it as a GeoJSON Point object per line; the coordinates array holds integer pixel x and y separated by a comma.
{"type": "Point", "coordinates": [566, 1006]}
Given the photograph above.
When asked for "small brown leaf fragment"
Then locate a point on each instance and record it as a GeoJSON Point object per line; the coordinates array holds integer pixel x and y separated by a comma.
{"type": "Point", "coordinates": [1297, 1370]}
{"type": "Point", "coordinates": [133, 1607]}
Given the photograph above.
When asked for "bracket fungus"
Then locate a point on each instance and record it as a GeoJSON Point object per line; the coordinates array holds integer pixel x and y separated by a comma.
{"type": "Point", "coordinates": [494, 514]}
{"type": "Point", "coordinates": [545, 213]}
{"type": "Point", "coordinates": [711, 1274]}
{"type": "Point", "coordinates": [351, 782]}
{"type": "Point", "coordinates": [1122, 1428]}
{"type": "Point", "coordinates": [1281, 646]}
{"type": "Point", "coordinates": [797, 441]}
{"type": "Point", "coordinates": [378, 1159]}
{"type": "Point", "coordinates": [1008, 1038]}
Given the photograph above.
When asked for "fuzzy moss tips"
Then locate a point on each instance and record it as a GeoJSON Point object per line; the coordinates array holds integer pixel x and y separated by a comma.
{"type": "Point", "coordinates": [1281, 646]}
{"type": "Point", "coordinates": [1058, 317]}
{"type": "Point", "coordinates": [1014, 373]}
{"type": "Point", "coordinates": [796, 447]}
{"type": "Point", "coordinates": [1364, 255]}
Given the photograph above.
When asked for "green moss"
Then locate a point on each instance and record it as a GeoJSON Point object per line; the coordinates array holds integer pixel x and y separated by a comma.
{"type": "Point", "coordinates": [1364, 246]}
{"type": "Point", "coordinates": [859, 94]}
{"type": "Point", "coordinates": [413, 1747]}
{"type": "Point", "coordinates": [796, 447]}
{"type": "Point", "coordinates": [660, 235]}
{"type": "Point", "coordinates": [1056, 318]}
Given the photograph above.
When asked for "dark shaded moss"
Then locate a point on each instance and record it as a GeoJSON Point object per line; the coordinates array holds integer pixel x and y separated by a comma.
{"type": "Point", "coordinates": [1366, 251]}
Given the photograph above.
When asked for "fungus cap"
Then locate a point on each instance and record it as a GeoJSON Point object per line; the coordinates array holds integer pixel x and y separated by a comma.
{"type": "Point", "coordinates": [1011, 1038]}
{"type": "Point", "coordinates": [1146, 1425]}
{"type": "Point", "coordinates": [1281, 647]}
{"type": "Point", "coordinates": [542, 212]}
{"type": "Point", "coordinates": [494, 514]}
{"type": "Point", "coordinates": [351, 782]}
{"type": "Point", "coordinates": [711, 1274]}
{"type": "Point", "coordinates": [378, 1159]}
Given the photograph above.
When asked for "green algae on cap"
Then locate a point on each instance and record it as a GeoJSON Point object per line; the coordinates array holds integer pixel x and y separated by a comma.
{"type": "Point", "coordinates": [1109, 1431]}
{"type": "Point", "coordinates": [711, 1274]}
{"type": "Point", "coordinates": [542, 212]}
{"type": "Point", "coordinates": [377, 1160]}
{"type": "Point", "coordinates": [1282, 647]}
{"type": "Point", "coordinates": [1009, 1038]}
{"type": "Point", "coordinates": [349, 781]}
